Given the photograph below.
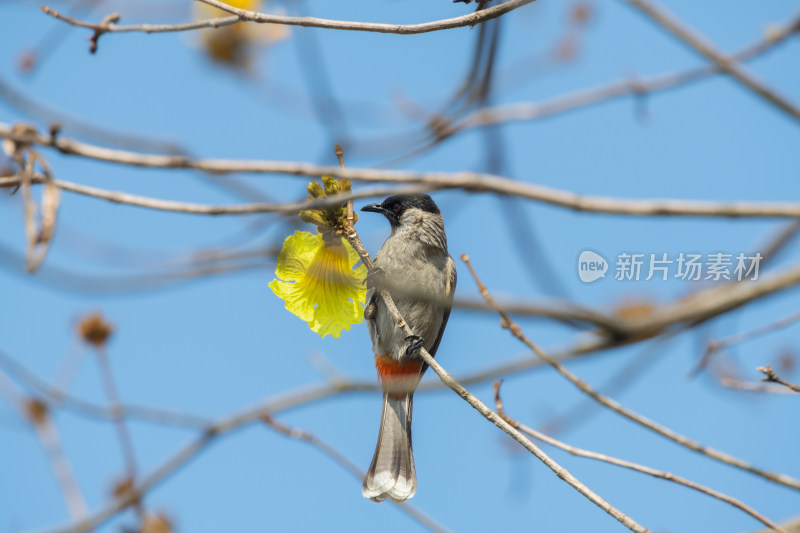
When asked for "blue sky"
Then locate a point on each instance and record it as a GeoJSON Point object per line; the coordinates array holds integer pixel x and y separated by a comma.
{"type": "Point", "coordinates": [217, 345]}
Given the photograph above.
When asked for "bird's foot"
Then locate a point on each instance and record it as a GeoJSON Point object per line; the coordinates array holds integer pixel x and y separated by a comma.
{"type": "Point", "coordinates": [415, 342]}
{"type": "Point", "coordinates": [369, 311]}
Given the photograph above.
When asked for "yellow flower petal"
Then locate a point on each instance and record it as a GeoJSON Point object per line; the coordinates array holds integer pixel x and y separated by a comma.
{"type": "Point", "coordinates": [236, 45]}
{"type": "Point", "coordinates": [326, 291]}
{"type": "Point", "coordinates": [296, 255]}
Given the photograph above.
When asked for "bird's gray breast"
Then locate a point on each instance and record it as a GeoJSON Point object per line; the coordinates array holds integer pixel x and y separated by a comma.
{"type": "Point", "coordinates": [416, 276]}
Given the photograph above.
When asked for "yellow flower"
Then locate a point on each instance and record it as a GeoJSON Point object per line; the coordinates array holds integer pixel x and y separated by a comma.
{"type": "Point", "coordinates": [235, 45]}
{"type": "Point", "coordinates": [318, 283]}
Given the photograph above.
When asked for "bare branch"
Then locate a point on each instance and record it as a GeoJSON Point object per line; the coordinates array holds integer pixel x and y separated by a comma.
{"type": "Point", "coordinates": [630, 465]}
{"type": "Point", "coordinates": [57, 397]}
{"type": "Point", "coordinates": [469, 181]}
{"type": "Point", "coordinates": [529, 111]}
{"type": "Point", "coordinates": [746, 386]}
{"type": "Point", "coordinates": [423, 182]}
{"type": "Point", "coordinates": [757, 332]}
{"type": "Point", "coordinates": [770, 375]}
{"type": "Point", "coordinates": [295, 433]}
{"type": "Point", "coordinates": [159, 204]}
{"type": "Point", "coordinates": [710, 303]}
{"type": "Point", "coordinates": [48, 114]}
{"type": "Point", "coordinates": [615, 406]}
{"type": "Point", "coordinates": [716, 346]}
{"type": "Point", "coordinates": [243, 15]}
{"type": "Point", "coordinates": [121, 426]}
{"type": "Point", "coordinates": [209, 434]}
{"type": "Point", "coordinates": [706, 49]}
{"type": "Point", "coordinates": [35, 412]}
{"type": "Point", "coordinates": [792, 526]}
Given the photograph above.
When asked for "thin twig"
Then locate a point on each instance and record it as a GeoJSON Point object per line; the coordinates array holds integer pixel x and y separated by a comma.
{"type": "Point", "coordinates": [428, 182]}
{"type": "Point", "coordinates": [218, 210]}
{"type": "Point", "coordinates": [210, 433]}
{"type": "Point", "coordinates": [340, 157]}
{"type": "Point", "coordinates": [35, 412]}
{"type": "Point", "coordinates": [421, 182]}
{"type": "Point", "coordinates": [241, 15]}
{"type": "Point", "coordinates": [743, 336]}
{"type": "Point", "coordinates": [56, 397]}
{"type": "Point", "coordinates": [746, 386]}
{"type": "Point", "coordinates": [716, 346]}
{"type": "Point", "coordinates": [530, 111]}
{"type": "Point", "coordinates": [625, 377]}
{"type": "Point", "coordinates": [62, 469]}
{"type": "Point", "coordinates": [46, 113]}
{"type": "Point", "coordinates": [631, 465]}
{"type": "Point", "coordinates": [770, 375]}
{"type": "Point", "coordinates": [706, 49]}
{"type": "Point", "coordinates": [338, 457]}
{"type": "Point", "coordinates": [123, 434]}
{"type": "Point", "coordinates": [779, 241]}
{"type": "Point", "coordinates": [615, 406]}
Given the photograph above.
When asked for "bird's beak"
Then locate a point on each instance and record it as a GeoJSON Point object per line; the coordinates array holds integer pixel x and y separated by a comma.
{"type": "Point", "coordinates": [374, 208]}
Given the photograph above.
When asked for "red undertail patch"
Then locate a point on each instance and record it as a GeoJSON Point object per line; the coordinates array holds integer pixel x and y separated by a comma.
{"type": "Point", "coordinates": [392, 369]}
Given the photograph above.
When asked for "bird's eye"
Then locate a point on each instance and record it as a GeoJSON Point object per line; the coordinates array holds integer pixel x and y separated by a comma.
{"type": "Point", "coordinates": [397, 208]}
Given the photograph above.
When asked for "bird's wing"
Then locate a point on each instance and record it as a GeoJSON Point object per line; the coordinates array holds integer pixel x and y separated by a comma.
{"type": "Point", "coordinates": [370, 296]}
{"type": "Point", "coordinates": [451, 289]}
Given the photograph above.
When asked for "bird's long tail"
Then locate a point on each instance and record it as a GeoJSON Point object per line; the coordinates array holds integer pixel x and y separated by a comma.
{"type": "Point", "coordinates": [392, 474]}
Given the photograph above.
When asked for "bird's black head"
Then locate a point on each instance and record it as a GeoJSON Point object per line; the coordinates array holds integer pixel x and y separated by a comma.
{"type": "Point", "coordinates": [394, 206]}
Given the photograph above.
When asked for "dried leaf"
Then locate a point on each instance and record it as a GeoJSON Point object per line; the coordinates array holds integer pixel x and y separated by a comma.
{"type": "Point", "coordinates": [38, 235]}
{"type": "Point", "coordinates": [581, 13]}
{"type": "Point", "coordinates": [634, 309]}
{"type": "Point", "coordinates": [29, 210]}
{"type": "Point", "coordinates": [39, 246]}
{"type": "Point", "coordinates": [122, 488]}
{"type": "Point", "coordinates": [157, 523]}
{"type": "Point", "coordinates": [36, 410]}
{"type": "Point", "coordinates": [95, 330]}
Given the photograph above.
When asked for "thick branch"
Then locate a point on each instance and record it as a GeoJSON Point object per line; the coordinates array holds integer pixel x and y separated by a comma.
{"type": "Point", "coordinates": [469, 181]}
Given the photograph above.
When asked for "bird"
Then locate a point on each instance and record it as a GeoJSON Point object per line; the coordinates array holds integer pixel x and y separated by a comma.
{"type": "Point", "coordinates": [415, 267]}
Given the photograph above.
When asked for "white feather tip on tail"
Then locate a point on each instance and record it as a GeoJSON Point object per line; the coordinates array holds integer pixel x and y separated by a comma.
{"type": "Point", "coordinates": [392, 474]}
